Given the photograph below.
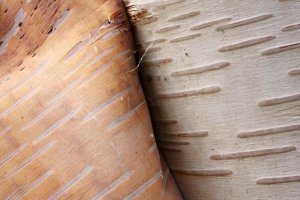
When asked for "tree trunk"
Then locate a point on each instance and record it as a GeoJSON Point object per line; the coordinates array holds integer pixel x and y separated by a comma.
{"type": "Point", "coordinates": [222, 78]}
{"type": "Point", "coordinates": [73, 120]}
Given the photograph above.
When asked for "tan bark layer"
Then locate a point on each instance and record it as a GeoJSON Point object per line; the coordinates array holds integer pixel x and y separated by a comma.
{"type": "Point", "coordinates": [73, 120]}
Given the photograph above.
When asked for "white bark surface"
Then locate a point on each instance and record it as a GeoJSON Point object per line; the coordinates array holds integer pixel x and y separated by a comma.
{"type": "Point", "coordinates": [223, 80]}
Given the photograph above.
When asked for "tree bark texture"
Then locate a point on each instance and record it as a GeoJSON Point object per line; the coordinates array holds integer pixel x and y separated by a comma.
{"type": "Point", "coordinates": [222, 78]}
{"type": "Point", "coordinates": [73, 120]}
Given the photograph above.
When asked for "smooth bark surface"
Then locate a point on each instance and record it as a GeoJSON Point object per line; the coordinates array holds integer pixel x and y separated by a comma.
{"type": "Point", "coordinates": [222, 78]}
